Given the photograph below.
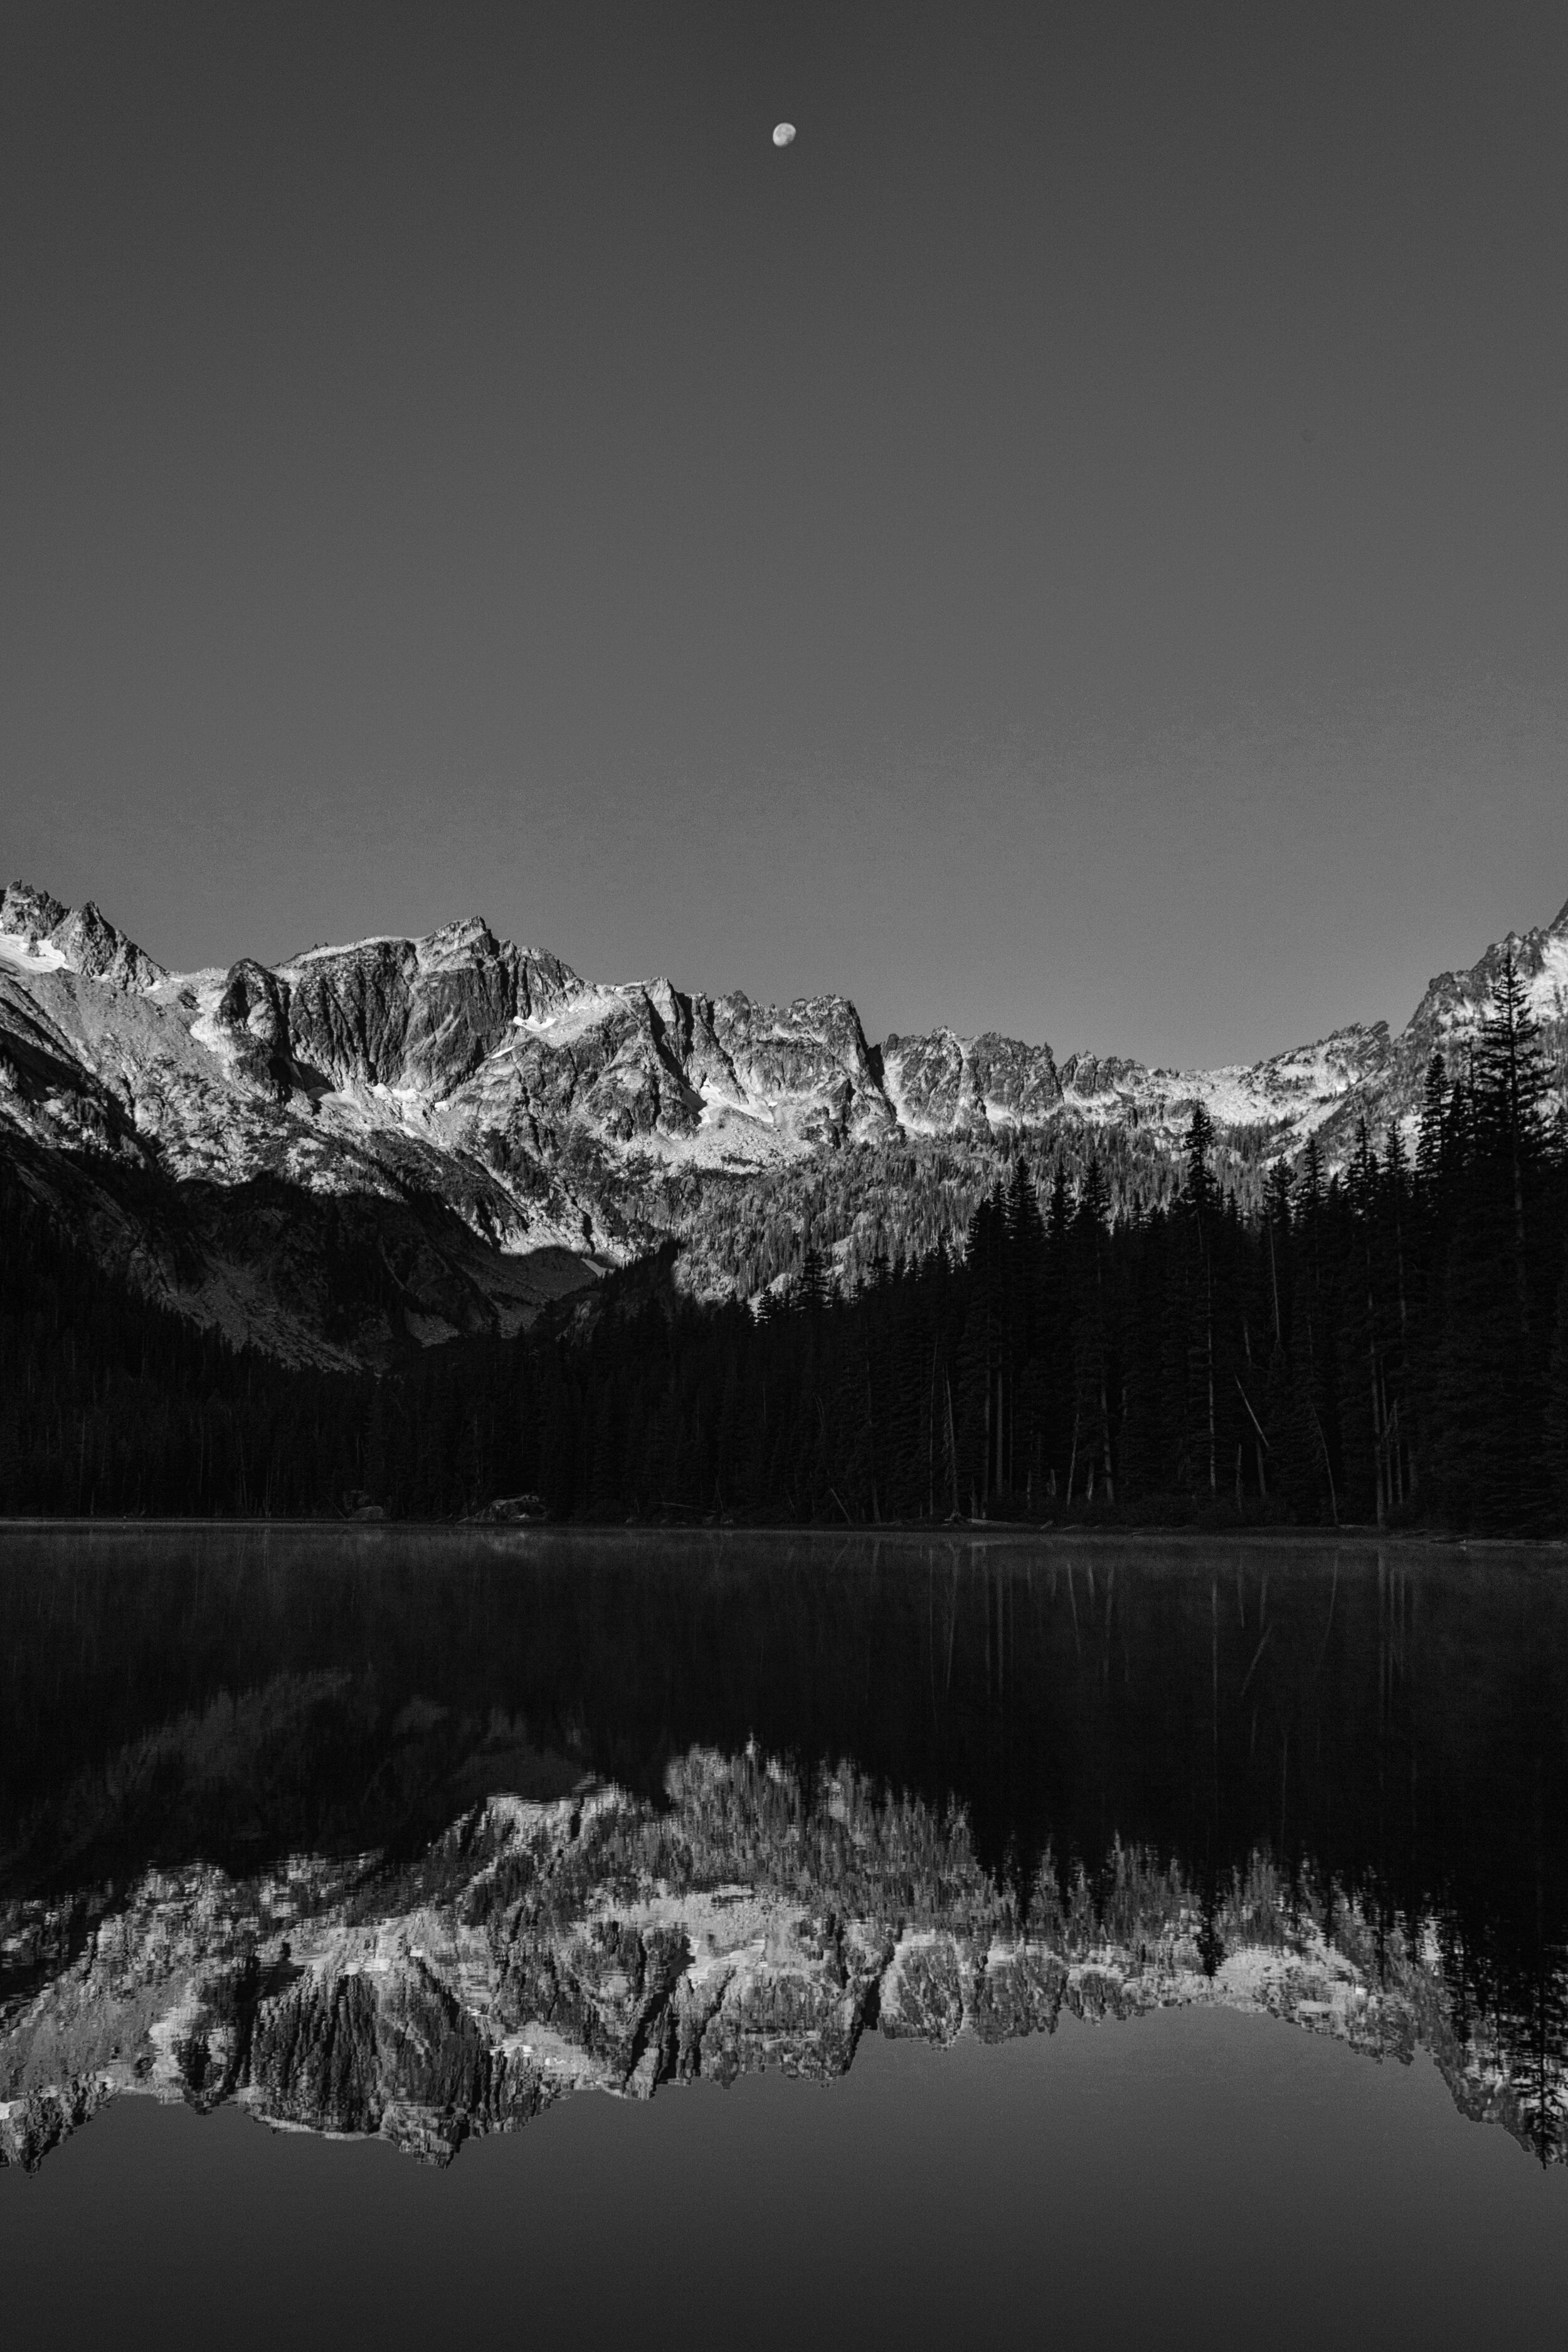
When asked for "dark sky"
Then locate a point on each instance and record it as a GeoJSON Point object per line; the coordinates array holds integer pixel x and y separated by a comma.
{"type": "Point", "coordinates": [1077, 543]}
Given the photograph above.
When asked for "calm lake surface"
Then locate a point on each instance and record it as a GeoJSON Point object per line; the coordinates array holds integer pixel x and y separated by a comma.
{"type": "Point", "coordinates": [1162, 1940]}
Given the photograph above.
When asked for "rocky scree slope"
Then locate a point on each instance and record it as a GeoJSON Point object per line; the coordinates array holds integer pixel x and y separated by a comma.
{"type": "Point", "coordinates": [372, 1147]}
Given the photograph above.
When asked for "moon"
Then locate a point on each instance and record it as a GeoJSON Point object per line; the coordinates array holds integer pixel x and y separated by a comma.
{"type": "Point", "coordinates": [783, 133]}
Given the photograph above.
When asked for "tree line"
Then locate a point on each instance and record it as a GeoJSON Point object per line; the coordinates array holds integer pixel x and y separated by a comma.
{"type": "Point", "coordinates": [1386, 1345]}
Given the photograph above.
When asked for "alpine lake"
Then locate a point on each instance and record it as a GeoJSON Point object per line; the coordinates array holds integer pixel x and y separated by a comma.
{"type": "Point", "coordinates": [1117, 1942]}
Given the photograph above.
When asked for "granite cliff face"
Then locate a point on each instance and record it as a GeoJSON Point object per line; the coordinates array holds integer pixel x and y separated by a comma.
{"type": "Point", "coordinates": [369, 1147]}
{"type": "Point", "coordinates": [601, 1942]}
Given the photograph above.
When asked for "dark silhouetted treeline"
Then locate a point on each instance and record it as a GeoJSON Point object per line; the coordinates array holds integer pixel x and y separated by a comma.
{"type": "Point", "coordinates": [112, 1406]}
{"type": "Point", "coordinates": [1389, 1345]}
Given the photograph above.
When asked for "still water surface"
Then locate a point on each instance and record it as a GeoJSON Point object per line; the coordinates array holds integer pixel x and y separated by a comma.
{"type": "Point", "coordinates": [1160, 1940]}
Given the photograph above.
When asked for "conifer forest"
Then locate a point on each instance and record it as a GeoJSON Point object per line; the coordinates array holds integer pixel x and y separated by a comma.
{"type": "Point", "coordinates": [1382, 1345]}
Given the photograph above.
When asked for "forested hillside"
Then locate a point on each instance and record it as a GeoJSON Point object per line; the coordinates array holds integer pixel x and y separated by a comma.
{"type": "Point", "coordinates": [1389, 1345]}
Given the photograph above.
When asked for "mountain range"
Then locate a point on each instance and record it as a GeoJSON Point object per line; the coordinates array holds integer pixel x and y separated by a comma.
{"type": "Point", "coordinates": [371, 1148]}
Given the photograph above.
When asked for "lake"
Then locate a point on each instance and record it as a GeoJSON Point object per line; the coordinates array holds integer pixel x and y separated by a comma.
{"type": "Point", "coordinates": [1144, 1938]}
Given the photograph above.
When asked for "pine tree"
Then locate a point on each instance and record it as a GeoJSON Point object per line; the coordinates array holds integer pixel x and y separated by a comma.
{"type": "Point", "coordinates": [812, 1289]}
{"type": "Point", "coordinates": [1509, 1083]}
{"type": "Point", "coordinates": [1094, 1371]}
{"type": "Point", "coordinates": [983, 1394]}
{"type": "Point", "coordinates": [1434, 1106]}
{"type": "Point", "coordinates": [1198, 1202]}
{"type": "Point", "coordinates": [1554, 1447]}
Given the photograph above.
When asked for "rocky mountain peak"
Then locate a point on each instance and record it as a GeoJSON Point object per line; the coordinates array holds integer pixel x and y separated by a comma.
{"type": "Point", "coordinates": [83, 939]}
{"type": "Point", "coordinates": [29, 914]}
{"type": "Point", "coordinates": [466, 941]}
{"type": "Point", "coordinates": [92, 945]}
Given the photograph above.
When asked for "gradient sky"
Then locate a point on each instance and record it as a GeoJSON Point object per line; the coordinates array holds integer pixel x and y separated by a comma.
{"type": "Point", "coordinates": [1077, 544]}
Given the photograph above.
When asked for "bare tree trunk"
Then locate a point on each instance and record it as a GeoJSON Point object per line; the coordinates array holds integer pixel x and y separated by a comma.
{"type": "Point", "coordinates": [1513, 1126]}
{"type": "Point", "coordinates": [952, 1446]}
{"type": "Point", "coordinates": [1328, 1466]}
{"type": "Point", "coordinates": [931, 1439]}
{"type": "Point", "coordinates": [1262, 1442]}
{"type": "Point", "coordinates": [1378, 1449]}
{"type": "Point", "coordinates": [1208, 1327]}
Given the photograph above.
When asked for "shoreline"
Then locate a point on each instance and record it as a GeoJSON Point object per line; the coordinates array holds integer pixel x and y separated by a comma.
{"type": "Point", "coordinates": [990, 1534]}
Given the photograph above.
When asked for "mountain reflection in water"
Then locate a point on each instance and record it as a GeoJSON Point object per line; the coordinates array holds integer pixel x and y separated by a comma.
{"type": "Point", "coordinates": [414, 1832]}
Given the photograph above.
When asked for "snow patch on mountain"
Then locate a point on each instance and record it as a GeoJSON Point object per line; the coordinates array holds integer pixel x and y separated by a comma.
{"type": "Point", "coordinates": [563, 1024]}
{"type": "Point", "coordinates": [30, 955]}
